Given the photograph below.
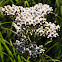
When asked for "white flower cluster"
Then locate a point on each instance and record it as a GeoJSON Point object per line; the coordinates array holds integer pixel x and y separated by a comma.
{"type": "Point", "coordinates": [31, 21]}
{"type": "Point", "coordinates": [32, 15]}
{"type": "Point", "coordinates": [49, 30]}
{"type": "Point", "coordinates": [29, 49]}
{"type": "Point", "coordinates": [12, 10]}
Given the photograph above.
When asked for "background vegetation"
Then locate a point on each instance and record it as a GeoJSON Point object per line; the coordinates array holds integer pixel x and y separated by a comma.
{"type": "Point", "coordinates": [53, 48]}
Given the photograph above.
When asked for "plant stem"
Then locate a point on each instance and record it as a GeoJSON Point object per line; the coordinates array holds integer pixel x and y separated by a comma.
{"type": "Point", "coordinates": [50, 47]}
{"type": "Point", "coordinates": [56, 15]}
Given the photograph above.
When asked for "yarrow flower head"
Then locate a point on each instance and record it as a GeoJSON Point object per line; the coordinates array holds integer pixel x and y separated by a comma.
{"type": "Point", "coordinates": [30, 49]}
{"type": "Point", "coordinates": [31, 21]}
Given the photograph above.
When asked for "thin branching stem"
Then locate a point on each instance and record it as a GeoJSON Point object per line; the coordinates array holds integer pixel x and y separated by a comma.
{"type": "Point", "coordinates": [51, 47]}
{"type": "Point", "coordinates": [8, 29]}
{"type": "Point", "coordinates": [56, 15]}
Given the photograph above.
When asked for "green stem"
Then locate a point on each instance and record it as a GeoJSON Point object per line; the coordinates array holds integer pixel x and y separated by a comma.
{"type": "Point", "coordinates": [29, 38]}
{"type": "Point", "coordinates": [56, 15]}
{"type": "Point", "coordinates": [51, 59]}
{"type": "Point", "coordinates": [5, 23]}
{"type": "Point", "coordinates": [8, 29]}
{"type": "Point", "coordinates": [43, 58]}
{"type": "Point", "coordinates": [50, 48]}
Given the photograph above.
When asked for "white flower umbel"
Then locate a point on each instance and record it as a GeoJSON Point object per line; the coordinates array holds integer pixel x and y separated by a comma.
{"type": "Point", "coordinates": [49, 30]}
{"type": "Point", "coordinates": [32, 15]}
{"type": "Point", "coordinates": [31, 21]}
{"type": "Point", "coordinates": [30, 49]}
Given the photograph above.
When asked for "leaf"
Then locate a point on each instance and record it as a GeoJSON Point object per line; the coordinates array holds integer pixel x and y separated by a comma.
{"type": "Point", "coordinates": [61, 24]}
{"type": "Point", "coordinates": [28, 59]}
{"type": "Point", "coordinates": [13, 48]}
{"type": "Point", "coordinates": [7, 49]}
{"type": "Point", "coordinates": [29, 38]}
{"type": "Point", "coordinates": [12, 1]}
{"type": "Point", "coordinates": [48, 42]}
{"type": "Point", "coordinates": [8, 56]}
{"type": "Point", "coordinates": [51, 59]}
{"type": "Point", "coordinates": [26, 3]}
{"type": "Point", "coordinates": [51, 47]}
{"type": "Point", "coordinates": [19, 59]}
{"type": "Point", "coordinates": [61, 10]}
{"type": "Point", "coordinates": [4, 23]}
{"type": "Point", "coordinates": [58, 3]}
{"type": "Point", "coordinates": [61, 2]}
{"type": "Point", "coordinates": [4, 2]}
{"type": "Point", "coordinates": [1, 2]}
{"type": "Point", "coordinates": [1, 52]}
{"type": "Point", "coordinates": [23, 58]}
{"type": "Point", "coordinates": [8, 29]}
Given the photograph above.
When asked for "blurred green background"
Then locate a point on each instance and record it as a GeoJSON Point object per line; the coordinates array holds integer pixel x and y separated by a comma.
{"type": "Point", "coordinates": [7, 34]}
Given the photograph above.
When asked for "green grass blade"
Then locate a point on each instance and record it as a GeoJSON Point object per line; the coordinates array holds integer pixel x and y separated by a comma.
{"type": "Point", "coordinates": [23, 58]}
{"type": "Point", "coordinates": [1, 2]}
{"type": "Point", "coordinates": [12, 1]}
{"type": "Point", "coordinates": [51, 59]}
{"type": "Point", "coordinates": [29, 38]}
{"type": "Point", "coordinates": [6, 42]}
{"type": "Point", "coordinates": [8, 29]}
{"type": "Point", "coordinates": [8, 57]}
{"type": "Point", "coordinates": [58, 3]}
{"type": "Point", "coordinates": [13, 48]}
{"type": "Point", "coordinates": [48, 42]}
{"type": "Point", "coordinates": [1, 54]}
{"type": "Point", "coordinates": [19, 59]}
{"type": "Point", "coordinates": [26, 3]}
{"type": "Point", "coordinates": [28, 59]}
{"type": "Point", "coordinates": [7, 49]}
{"type": "Point", "coordinates": [5, 23]}
{"type": "Point", "coordinates": [61, 10]}
{"type": "Point", "coordinates": [51, 47]}
{"type": "Point", "coordinates": [4, 2]}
